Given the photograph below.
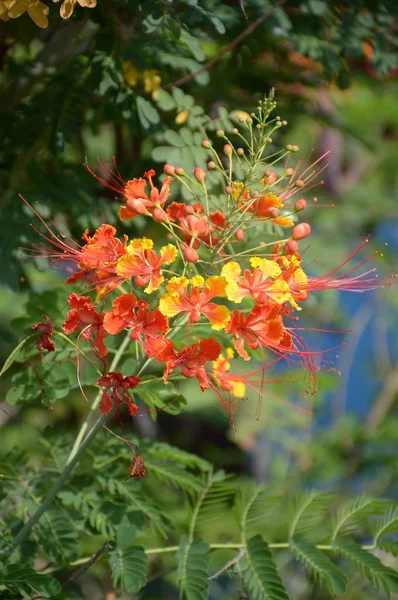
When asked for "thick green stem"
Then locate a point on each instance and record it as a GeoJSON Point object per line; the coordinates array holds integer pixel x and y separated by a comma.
{"type": "Point", "coordinates": [80, 445]}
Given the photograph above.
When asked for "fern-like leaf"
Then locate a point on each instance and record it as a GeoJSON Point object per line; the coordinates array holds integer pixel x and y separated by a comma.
{"type": "Point", "coordinates": [387, 523]}
{"type": "Point", "coordinates": [260, 573]}
{"type": "Point", "coordinates": [164, 451]}
{"type": "Point", "coordinates": [380, 576]}
{"type": "Point", "coordinates": [193, 569]}
{"type": "Point", "coordinates": [129, 568]}
{"type": "Point", "coordinates": [306, 510]}
{"type": "Point", "coordinates": [214, 499]}
{"type": "Point", "coordinates": [57, 536]}
{"type": "Point", "coordinates": [172, 475]}
{"type": "Point", "coordinates": [321, 567]}
{"type": "Point", "coordinates": [390, 546]}
{"type": "Point", "coordinates": [348, 513]}
{"type": "Point", "coordinates": [26, 582]}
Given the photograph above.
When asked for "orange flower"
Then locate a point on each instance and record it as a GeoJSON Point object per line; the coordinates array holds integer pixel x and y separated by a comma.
{"type": "Point", "coordinates": [263, 327]}
{"type": "Point", "coordinates": [127, 312]}
{"type": "Point", "coordinates": [191, 360]}
{"type": "Point", "coordinates": [83, 315]}
{"type": "Point", "coordinates": [196, 301]}
{"type": "Point", "coordinates": [263, 284]}
{"type": "Point", "coordinates": [142, 263]}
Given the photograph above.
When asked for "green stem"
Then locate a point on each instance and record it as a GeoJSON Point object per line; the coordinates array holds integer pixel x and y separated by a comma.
{"type": "Point", "coordinates": [80, 445]}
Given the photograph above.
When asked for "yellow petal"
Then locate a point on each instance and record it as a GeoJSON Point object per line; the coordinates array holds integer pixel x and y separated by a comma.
{"type": "Point", "coordinates": [177, 284]}
{"type": "Point", "coordinates": [38, 13]}
{"type": "Point", "coordinates": [168, 253]}
{"type": "Point", "coordinates": [268, 267]}
{"type": "Point", "coordinates": [67, 8]}
{"type": "Point", "coordinates": [231, 271]}
{"type": "Point", "coordinates": [197, 281]}
{"type": "Point", "coordinates": [139, 244]}
{"type": "Point", "coordinates": [131, 74]}
{"type": "Point", "coordinates": [238, 388]}
{"type": "Point", "coordinates": [169, 305]}
{"type": "Point", "coordinates": [181, 117]}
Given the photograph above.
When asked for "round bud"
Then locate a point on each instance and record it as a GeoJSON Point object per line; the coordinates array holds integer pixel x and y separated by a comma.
{"type": "Point", "coordinates": [301, 204]}
{"type": "Point", "coordinates": [239, 235]}
{"type": "Point", "coordinates": [284, 122]}
{"type": "Point", "coordinates": [289, 148]}
{"type": "Point", "coordinates": [269, 140]}
{"type": "Point", "coordinates": [235, 130]}
{"type": "Point", "coordinates": [273, 212]}
{"type": "Point", "coordinates": [299, 183]}
{"type": "Point", "coordinates": [255, 194]}
{"type": "Point", "coordinates": [168, 169]}
{"type": "Point", "coordinates": [199, 174]}
{"type": "Point", "coordinates": [206, 144]}
{"type": "Point", "coordinates": [190, 254]}
{"type": "Point", "coordinates": [240, 151]}
{"type": "Point", "coordinates": [291, 247]}
{"type": "Point", "coordinates": [258, 126]}
{"type": "Point", "coordinates": [211, 165]}
{"type": "Point", "coordinates": [289, 172]}
{"type": "Point", "coordinates": [189, 210]}
{"type": "Point", "coordinates": [179, 171]}
{"type": "Point", "coordinates": [227, 149]}
{"type": "Point", "coordinates": [301, 231]}
{"type": "Point", "coordinates": [296, 148]}
{"type": "Point", "coordinates": [159, 215]}
{"type": "Point", "coordinates": [228, 189]}
{"type": "Point", "coordinates": [137, 206]}
{"type": "Point", "coordinates": [220, 133]}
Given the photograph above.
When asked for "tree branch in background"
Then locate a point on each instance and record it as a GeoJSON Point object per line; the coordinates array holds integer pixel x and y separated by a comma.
{"type": "Point", "coordinates": [228, 48]}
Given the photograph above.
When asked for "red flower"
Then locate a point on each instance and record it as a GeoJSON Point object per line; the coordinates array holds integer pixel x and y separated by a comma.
{"type": "Point", "coordinates": [191, 360]}
{"type": "Point", "coordinates": [127, 312]}
{"type": "Point", "coordinates": [83, 315]}
{"type": "Point", "coordinates": [115, 390]}
{"type": "Point", "coordinates": [45, 342]}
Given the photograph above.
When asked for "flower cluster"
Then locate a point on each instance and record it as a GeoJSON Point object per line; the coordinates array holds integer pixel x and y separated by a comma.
{"type": "Point", "coordinates": [214, 289]}
{"type": "Point", "coordinates": [38, 11]}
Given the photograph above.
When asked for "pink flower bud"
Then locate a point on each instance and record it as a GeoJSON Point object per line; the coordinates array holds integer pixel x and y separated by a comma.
{"type": "Point", "coordinates": [179, 171]}
{"type": "Point", "coordinates": [189, 210]}
{"type": "Point", "coordinates": [290, 247]}
{"type": "Point", "coordinates": [228, 189]}
{"type": "Point", "coordinates": [190, 254]}
{"type": "Point", "coordinates": [227, 149]}
{"type": "Point", "coordinates": [206, 144]}
{"type": "Point", "coordinates": [168, 169]}
{"type": "Point", "coordinates": [159, 215]}
{"type": "Point", "coordinates": [240, 151]}
{"type": "Point", "coordinates": [301, 231]}
{"type": "Point", "coordinates": [199, 174]}
{"type": "Point", "coordinates": [239, 235]}
{"type": "Point", "coordinates": [289, 172]}
{"type": "Point", "coordinates": [299, 183]}
{"type": "Point", "coordinates": [301, 204]}
{"type": "Point", "coordinates": [273, 212]}
{"type": "Point", "coordinates": [137, 206]}
{"type": "Point", "coordinates": [211, 165]}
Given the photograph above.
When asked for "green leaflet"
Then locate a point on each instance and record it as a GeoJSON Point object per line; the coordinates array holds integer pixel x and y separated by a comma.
{"type": "Point", "coordinates": [260, 574]}
{"type": "Point", "coordinates": [129, 568]}
{"type": "Point", "coordinates": [26, 582]}
{"type": "Point", "coordinates": [193, 570]}
{"type": "Point", "coordinates": [380, 576]}
{"type": "Point", "coordinates": [321, 567]}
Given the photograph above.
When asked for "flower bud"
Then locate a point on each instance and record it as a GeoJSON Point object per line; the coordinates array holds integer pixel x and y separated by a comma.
{"type": "Point", "coordinates": [199, 174]}
{"type": "Point", "coordinates": [219, 133]}
{"type": "Point", "coordinates": [235, 130]}
{"type": "Point", "coordinates": [159, 215]}
{"type": "Point", "coordinates": [290, 247]}
{"type": "Point", "coordinates": [289, 172]}
{"type": "Point", "coordinates": [211, 165]}
{"type": "Point", "coordinates": [240, 151]}
{"type": "Point", "coordinates": [190, 254]}
{"type": "Point", "coordinates": [301, 231]}
{"type": "Point", "coordinates": [273, 212]}
{"type": "Point", "coordinates": [299, 183]}
{"type": "Point", "coordinates": [168, 169]}
{"type": "Point", "coordinates": [137, 206]}
{"type": "Point", "coordinates": [206, 144]}
{"type": "Point", "coordinates": [239, 235]}
{"type": "Point", "coordinates": [189, 210]}
{"type": "Point", "coordinates": [227, 149]}
{"type": "Point", "coordinates": [179, 171]}
{"type": "Point", "coordinates": [140, 281]}
{"type": "Point", "coordinates": [301, 204]}
{"type": "Point", "coordinates": [228, 189]}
